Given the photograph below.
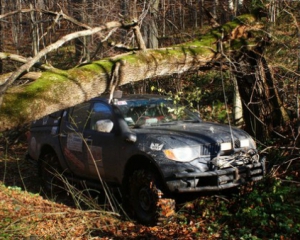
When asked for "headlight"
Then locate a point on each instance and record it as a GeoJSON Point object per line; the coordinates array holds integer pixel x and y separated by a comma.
{"type": "Point", "coordinates": [244, 143]}
{"type": "Point", "coordinates": [226, 146]}
{"type": "Point", "coordinates": [185, 154]}
{"type": "Point", "coordinates": [247, 143]}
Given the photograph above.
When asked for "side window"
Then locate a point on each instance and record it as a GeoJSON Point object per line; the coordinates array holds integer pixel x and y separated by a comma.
{"type": "Point", "coordinates": [100, 111]}
{"type": "Point", "coordinates": [79, 115]}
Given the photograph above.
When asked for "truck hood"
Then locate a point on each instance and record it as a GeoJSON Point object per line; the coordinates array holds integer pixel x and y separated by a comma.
{"type": "Point", "coordinates": [182, 134]}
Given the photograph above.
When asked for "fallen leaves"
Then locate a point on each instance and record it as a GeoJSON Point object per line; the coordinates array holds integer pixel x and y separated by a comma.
{"type": "Point", "coordinates": [40, 217]}
{"type": "Point", "coordinates": [24, 215]}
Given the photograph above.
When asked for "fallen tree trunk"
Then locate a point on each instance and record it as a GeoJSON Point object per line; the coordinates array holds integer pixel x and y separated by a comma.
{"type": "Point", "coordinates": [57, 89]}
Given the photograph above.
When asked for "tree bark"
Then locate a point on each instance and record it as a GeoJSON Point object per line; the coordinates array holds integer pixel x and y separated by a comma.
{"type": "Point", "coordinates": [1, 39]}
{"type": "Point", "coordinates": [50, 48]}
{"type": "Point", "coordinates": [34, 32]}
{"type": "Point", "coordinates": [237, 108]}
{"type": "Point", "coordinates": [57, 89]}
{"type": "Point", "coordinates": [262, 108]}
{"type": "Point", "coordinates": [149, 26]}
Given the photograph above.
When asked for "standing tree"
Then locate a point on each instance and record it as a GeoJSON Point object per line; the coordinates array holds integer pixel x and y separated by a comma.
{"type": "Point", "coordinates": [1, 39]}
{"type": "Point", "coordinates": [262, 108]}
{"type": "Point", "coordinates": [149, 25]}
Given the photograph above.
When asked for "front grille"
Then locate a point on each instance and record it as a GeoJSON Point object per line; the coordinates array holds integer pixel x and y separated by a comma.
{"type": "Point", "coordinates": [237, 143]}
{"type": "Point", "coordinates": [210, 149]}
{"type": "Point", "coordinates": [220, 179]}
{"type": "Point", "coordinates": [214, 149]}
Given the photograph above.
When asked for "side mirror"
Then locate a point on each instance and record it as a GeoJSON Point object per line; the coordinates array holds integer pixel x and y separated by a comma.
{"type": "Point", "coordinates": [130, 137]}
{"type": "Point", "coordinates": [105, 125]}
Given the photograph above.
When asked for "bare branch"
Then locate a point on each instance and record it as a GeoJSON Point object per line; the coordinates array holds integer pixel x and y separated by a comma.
{"type": "Point", "coordinates": [61, 14]}
{"type": "Point", "coordinates": [123, 47]}
{"type": "Point", "coordinates": [16, 12]}
{"type": "Point", "coordinates": [30, 75]}
{"type": "Point", "coordinates": [52, 47]}
{"type": "Point", "coordinates": [139, 38]}
{"type": "Point", "coordinates": [21, 59]}
{"type": "Point", "coordinates": [58, 14]}
{"type": "Point", "coordinates": [14, 57]}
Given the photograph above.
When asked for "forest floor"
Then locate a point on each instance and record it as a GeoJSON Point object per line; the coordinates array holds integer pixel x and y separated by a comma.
{"type": "Point", "coordinates": [26, 213]}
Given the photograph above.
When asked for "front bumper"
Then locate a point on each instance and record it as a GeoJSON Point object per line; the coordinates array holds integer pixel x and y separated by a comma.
{"type": "Point", "coordinates": [218, 179]}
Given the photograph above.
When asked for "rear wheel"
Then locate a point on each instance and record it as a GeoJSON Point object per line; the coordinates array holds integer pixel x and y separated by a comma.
{"type": "Point", "coordinates": [146, 199]}
{"type": "Point", "coordinates": [51, 173]}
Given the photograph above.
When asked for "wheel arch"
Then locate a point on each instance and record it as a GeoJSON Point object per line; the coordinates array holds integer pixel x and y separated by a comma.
{"type": "Point", "coordinates": [135, 174]}
{"type": "Point", "coordinates": [138, 162]}
{"type": "Point", "coordinates": [46, 149]}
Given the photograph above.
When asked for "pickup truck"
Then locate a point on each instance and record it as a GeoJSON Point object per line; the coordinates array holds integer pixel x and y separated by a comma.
{"type": "Point", "coordinates": [144, 144]}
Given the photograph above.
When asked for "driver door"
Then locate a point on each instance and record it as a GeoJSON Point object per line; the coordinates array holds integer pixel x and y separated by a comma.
{"type": "Point", "coordinates": [101, 142]}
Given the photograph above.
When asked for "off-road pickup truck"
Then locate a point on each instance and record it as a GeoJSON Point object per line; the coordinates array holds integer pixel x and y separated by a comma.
{"type": "Point", "coordinates": [147, 146]}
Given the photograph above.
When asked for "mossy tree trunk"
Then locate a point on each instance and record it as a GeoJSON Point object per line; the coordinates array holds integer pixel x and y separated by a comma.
{"type": "Point", "coordinates": [57, 89]}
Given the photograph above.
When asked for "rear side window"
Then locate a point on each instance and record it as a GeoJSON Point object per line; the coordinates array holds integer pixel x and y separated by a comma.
{"type": "Point", "coordinates": [80, 116]}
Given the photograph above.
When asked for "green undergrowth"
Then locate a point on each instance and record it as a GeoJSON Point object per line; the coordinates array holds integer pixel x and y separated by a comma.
{"type": "Point", "coordinates": [270, 210]}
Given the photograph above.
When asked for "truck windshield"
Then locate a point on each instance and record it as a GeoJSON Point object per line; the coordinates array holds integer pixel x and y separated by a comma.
{"type": "Point", "coordinates": [149, 112]}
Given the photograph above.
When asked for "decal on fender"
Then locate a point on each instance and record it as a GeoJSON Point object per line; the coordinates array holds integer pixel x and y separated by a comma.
{"type": "Point", "coordinates": [156, 146]}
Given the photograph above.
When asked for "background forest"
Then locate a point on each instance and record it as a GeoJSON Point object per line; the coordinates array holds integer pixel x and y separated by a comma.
{"type": "Point", "coordinates": [267, 210]}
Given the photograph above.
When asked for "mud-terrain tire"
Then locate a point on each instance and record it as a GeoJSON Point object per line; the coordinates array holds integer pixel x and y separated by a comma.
{"type": "Point", "coordinates": [146, 199]}
{"type": "Point", "coordinates": [51, 173]}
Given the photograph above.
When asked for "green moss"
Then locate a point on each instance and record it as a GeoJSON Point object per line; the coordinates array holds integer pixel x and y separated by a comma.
{"type": "Point", "coordinates": [43, 83]}
{"type": "Point", "coordinates": [136, 57]}
{"type": "Point", "coordinates": [245, 19]}
{"type": "Point", "coordinates": [97, 66]}
{"type": "Point", "coordinates": [199, 47]}
{"type": "Point", "coordinates": [14, 105]}
{"type": "Point", "coordinates": [17, 101]}
{"type": "Point", "coordinates": [227, 28]}
{"type": "Point", "coordinates": [209, 40]}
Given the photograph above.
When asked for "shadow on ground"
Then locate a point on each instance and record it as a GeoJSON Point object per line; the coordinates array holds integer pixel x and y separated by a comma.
{"type": "Point", "coordinates": [17, 171]}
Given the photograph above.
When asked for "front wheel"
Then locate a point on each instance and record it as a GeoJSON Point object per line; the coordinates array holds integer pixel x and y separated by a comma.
{"type": "Point", "coordinates": [146, 199]}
